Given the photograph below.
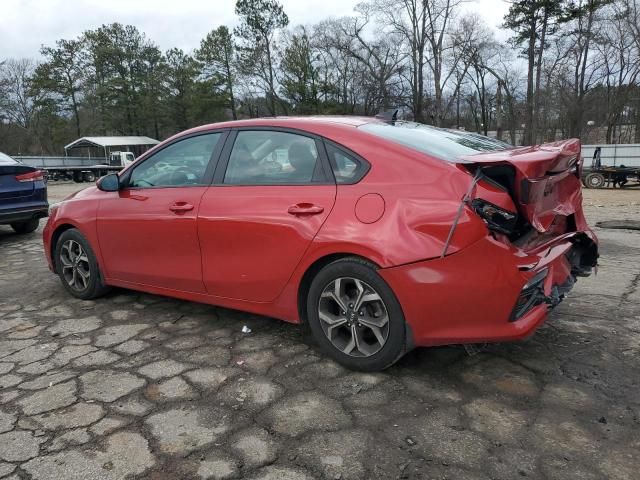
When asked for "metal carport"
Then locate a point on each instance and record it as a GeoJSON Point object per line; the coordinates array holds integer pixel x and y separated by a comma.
{"type": "Point", "coordinates": [105, 145]}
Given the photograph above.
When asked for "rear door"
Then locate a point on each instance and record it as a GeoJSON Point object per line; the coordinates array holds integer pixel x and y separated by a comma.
{"type": "Point", "coordinates": [272, 193]}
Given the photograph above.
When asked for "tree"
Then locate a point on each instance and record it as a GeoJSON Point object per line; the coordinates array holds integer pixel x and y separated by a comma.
{"type": "Point", "coordinates": [19, 100]}
{"type": "Point", "coordinates": [300, 77]}
{"type": "Point", "coordinates": [260, 21]}
{"type": "Point", "coordinates": [532, 21]}
{"type": "Point", "coordinates": [580, 19]}
{"type": "Point", "coordinates": [217, 54]}
{"type": "Point", "coordinates": [620, 51]}
{"type": "Point", "coordinates": [440, 15]}
{"type": "Point", "coordinates": [480, 50]}
{"type": "Point", "coordinates": [20, 103]}
{"type": "Point", "coordinates": [181, 74]}
{"type": "Point", "coordinates": [340, 71]}
{"type": "Point", "coordinates": [409, 20]}
{"type": "Point", "coordinates": [62, 75]}
{"type": "Point", "coordinates": [381, 60]}
{"type": "Point", "coordinates": [122, 61]}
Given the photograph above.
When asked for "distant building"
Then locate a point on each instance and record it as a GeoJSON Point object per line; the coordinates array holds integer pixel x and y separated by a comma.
{"type": "Point", "coordinates": [103, 146]}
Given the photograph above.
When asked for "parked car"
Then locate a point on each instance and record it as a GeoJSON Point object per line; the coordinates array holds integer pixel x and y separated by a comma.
{"type": "Point", "coordinates": [378, 236]}
{"type": "Point", "coordinates": [23, 195]}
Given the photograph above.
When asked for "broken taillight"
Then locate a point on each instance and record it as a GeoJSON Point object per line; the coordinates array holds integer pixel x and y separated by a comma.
{"type": "Point", "coordinates": [496, 218]}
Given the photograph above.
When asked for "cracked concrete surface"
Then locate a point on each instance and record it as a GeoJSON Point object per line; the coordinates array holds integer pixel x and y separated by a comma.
{"type": "Point", "coordinates": [141, 386]}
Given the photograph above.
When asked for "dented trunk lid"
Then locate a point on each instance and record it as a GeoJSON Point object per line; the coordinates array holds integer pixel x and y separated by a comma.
{"type": "Point", "coordinates": [547, 179]}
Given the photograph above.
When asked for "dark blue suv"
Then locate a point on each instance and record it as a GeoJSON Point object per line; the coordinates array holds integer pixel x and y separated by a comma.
{"type": "Point", "coordinates": [23, 195]}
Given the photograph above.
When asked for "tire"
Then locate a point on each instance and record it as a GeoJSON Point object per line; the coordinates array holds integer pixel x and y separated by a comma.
{"type": "Point", "coordinates": [353, 276]}
{"type": "Point", "coordinates": [89, 177]}
{"type": "Point", "coordinates": [594, 180]}
{"type": "Point", "coordinates": [26, 227]}
{"type": "Point", "coordinates": [77, 267]}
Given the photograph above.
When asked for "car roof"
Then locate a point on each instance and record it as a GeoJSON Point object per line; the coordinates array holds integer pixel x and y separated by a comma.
{"type": "Point", "coordinates": [290, 122]}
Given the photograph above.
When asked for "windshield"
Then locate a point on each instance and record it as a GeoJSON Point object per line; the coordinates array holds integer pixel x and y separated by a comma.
{"type": "Point", "coordinates": [442, 143]}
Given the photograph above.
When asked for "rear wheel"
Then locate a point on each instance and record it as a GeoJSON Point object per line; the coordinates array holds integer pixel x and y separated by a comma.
{"type": "Point", "coordinates": [26, 227]}
{"type": "Point", "coordinates": [89, 177]}
{"type": "Point", "coordinates": [594, 180]}
{"type": "Point", "coordinates": [355, 317]}
{"type": "Point", "coordinates": [77, 266]}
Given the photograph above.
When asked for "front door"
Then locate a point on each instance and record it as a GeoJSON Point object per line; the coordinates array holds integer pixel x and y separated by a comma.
{"type": "Point", "coordinates": [148, 230]}
{"type": "Point", "coordinates": [257, 221]}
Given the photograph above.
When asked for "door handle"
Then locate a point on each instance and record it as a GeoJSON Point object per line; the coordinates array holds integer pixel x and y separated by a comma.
{"type": "Point", "coordinates": [305, 209]}
{"type": "Point", "coordinates": [181, 207]}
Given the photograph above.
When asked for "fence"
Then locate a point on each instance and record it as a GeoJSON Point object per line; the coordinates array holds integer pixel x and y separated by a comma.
{"type": "Point", "coordinates": [47, 162]}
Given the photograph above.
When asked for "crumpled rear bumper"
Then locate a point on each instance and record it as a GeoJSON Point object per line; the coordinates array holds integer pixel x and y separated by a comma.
{"type": "Point", "coordinates": [471, 296]}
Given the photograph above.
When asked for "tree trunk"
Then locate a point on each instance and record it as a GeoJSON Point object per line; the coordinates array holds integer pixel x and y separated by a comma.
{"type": "Point", "coordinates": [499, 111]}
{"type": "Point", "coordinates": [528, 131]}
{"type": "Point", "coordinates": [543, 34]}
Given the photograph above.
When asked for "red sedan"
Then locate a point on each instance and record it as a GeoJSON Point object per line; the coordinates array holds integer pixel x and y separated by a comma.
{"type": "Point", "coordinates": [381, 236]}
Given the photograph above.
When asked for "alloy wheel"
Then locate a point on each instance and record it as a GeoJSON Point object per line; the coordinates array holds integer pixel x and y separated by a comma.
{"type": "Point", "coordinates": [75, 265]}
{"type": "Point", "coordinates": [353, 317]}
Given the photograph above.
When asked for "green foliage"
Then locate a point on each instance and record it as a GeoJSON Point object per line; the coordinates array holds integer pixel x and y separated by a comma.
{"type": "Point", "coordinates": [300, 77]}
{"type": "Point", "coordinates": [218, 62]}
{"type": "Point", "coordinates": [260, 21]}
{"type": "Point", "coordinates": [525, 18]}
{"type": "Point", "coordinates": [61, 77]}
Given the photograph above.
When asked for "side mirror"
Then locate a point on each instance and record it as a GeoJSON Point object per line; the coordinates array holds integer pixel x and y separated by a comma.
{"type": "Point", "coordinates": [109, 183]}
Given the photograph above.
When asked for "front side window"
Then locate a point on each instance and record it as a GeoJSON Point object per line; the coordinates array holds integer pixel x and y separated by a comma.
{"type": "Point", "coordinates": [181, 164]}
{"type": "Point", "coordinates": [263, 157]}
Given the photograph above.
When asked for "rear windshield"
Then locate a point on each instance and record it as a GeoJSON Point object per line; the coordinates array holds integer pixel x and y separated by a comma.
{"type": "Point", "coordinates": [7, 160]}
{"type": "Point", "coordinates": [442, 143]}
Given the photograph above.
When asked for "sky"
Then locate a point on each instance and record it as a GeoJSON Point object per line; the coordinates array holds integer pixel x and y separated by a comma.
{"type": "Point", "coordinates": [26, 25]}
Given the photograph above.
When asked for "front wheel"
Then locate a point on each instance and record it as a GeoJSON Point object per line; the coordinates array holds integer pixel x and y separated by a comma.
{"type": "Point", "coordinates": [355, 316]}
{"type": "Point", "coordinates": [77, 266]}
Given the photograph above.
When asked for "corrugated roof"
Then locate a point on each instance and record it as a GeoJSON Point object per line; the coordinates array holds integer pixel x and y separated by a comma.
{"type": "Point", "coordinates": [111, 141]}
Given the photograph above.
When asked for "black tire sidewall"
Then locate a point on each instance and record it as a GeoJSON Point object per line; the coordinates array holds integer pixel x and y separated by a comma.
{"type": "Point", "coordinates": [95, 287]}
{"type": "Point", "coordinates": [28, 226]}
{"type": "Point", "coordinates": [395, 346]}
{"type": "Point", "coordinates": [600, 177]}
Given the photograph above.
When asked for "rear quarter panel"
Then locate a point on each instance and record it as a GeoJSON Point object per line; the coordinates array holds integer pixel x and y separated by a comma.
{"type": "Point", "coordinates": [421, 195]}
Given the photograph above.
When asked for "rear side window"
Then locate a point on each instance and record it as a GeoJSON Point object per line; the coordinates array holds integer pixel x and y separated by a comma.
{"type": "Point", "coordinates": [264, 157]}
{"type": "Point", "coordinates": [346, 168]}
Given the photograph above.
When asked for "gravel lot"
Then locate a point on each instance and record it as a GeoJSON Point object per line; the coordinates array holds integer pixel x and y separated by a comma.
{"type": "Point", "coordinates": [148, 387]}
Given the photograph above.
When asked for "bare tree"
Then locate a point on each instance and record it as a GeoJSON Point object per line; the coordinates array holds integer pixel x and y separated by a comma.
{"type": "Point", "coordinates": [619, 48]}
{"type": "Point", "coordinates": [18, 102]}
{"type": "Point", "coordinates": [382, 59]}
{"type": "Point", "coordinates": [409, 20]}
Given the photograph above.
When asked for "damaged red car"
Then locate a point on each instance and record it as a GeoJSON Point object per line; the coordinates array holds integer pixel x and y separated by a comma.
{"type": "Point", "coordinates": [380, 236]}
